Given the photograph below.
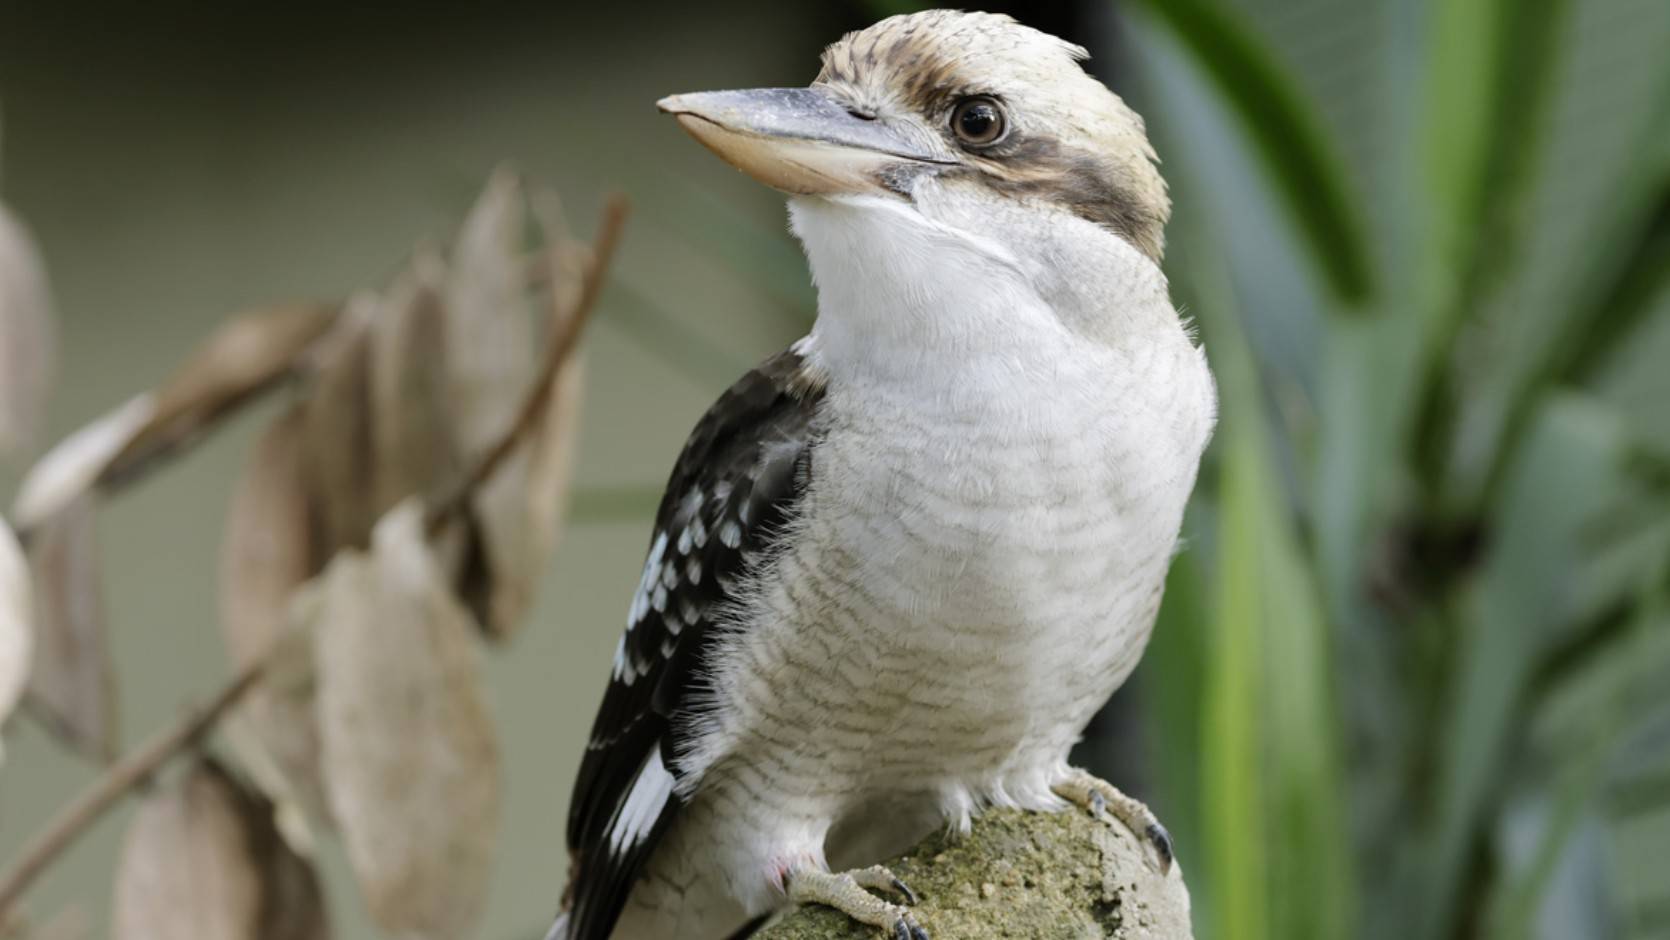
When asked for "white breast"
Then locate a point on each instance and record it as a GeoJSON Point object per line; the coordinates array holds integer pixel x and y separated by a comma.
{"type": "Point", "coordinates": [979, 557]}
{"type": "Point", "coordinates": [1011, 430]}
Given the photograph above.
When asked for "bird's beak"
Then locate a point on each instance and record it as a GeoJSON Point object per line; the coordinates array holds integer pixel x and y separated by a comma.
{"type": "Point", "coordinates": [799, 140]}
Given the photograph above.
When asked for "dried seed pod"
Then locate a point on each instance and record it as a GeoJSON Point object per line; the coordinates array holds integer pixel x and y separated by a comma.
{"type": "Point", "coordinates": [245, 356]}
{"type": "Point", "coordinates": [72, 679]}
{"type": "Point", "coordinates": [266, 554]}
{"type": "Point", "coordinates": [410, 755]}
{"type": "Point", "coordinates": [17, 623]}
{"type": "Point", "coordinates": [28, 335]}
{"type": "Point", "coordinates": [203, 861]}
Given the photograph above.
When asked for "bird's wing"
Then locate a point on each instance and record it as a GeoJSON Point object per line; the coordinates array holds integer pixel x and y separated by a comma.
{"type": "Point", "coordinates": [733, 488]}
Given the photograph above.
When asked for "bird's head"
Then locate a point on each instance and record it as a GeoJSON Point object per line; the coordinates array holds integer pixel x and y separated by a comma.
{"type": "Point", "coordinates": [962, 117]}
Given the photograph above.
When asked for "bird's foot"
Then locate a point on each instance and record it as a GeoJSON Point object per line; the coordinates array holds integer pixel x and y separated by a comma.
{"type": "Point", "coordinates": [849, 893]}
{"type": "Point", "coordinates": [1101, 798]}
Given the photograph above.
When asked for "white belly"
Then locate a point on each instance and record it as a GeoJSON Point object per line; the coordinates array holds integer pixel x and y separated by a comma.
{"type": "Point", "coordinates": [969, 591]}
{"type": "Point", "coordinates": [964, 592]}
{"type": "Point", "coordinates": [977, 561]}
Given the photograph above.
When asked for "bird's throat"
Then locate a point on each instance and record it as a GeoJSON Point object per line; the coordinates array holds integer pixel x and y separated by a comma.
{"type": "Point", "coordinates": [896, 290]}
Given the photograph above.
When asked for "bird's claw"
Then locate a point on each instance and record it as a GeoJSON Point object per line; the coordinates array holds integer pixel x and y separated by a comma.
{"type": "Point", "coordinates": [1098, 804]}
{"type": "Point", "coordinates": [906, 928]}
{"type": "Point", "coordinates": [1161, 840]}
{"type": "Point", "coordinates": [849, 893]}
{"type": "Point", "coordinates": [880, 878]}
{"type": "Point", "coordinates": [1103, 799]}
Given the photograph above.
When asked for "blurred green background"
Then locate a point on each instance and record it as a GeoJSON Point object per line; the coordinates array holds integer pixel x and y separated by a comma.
{"type": "Point", "coordinates": [1413, 672]}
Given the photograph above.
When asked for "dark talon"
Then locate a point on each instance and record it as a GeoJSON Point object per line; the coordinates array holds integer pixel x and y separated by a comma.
{"type": "Point", "coordinates": [917, 933]}
{"type": "Point", "coordinates": [1158, 835]}
{"type": "Point", "coordinates": [904, 891]}
{"type": "Point", "coordinates": [901, 930]}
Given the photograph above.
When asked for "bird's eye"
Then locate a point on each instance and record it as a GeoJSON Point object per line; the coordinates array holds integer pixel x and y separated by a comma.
{"type": "Point", "coordinates": [977, 121]}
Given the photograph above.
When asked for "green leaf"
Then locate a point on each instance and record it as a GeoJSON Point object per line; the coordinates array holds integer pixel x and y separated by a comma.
{"type": "Point", "coordinates": [1578, 729]}
{"type": "Point", "coordinates": [1272, 785]}
{"type": "Point", "coordinates": [1286, 134]}
{"type": "Point", "coordinates": [1487, 97]}
{"type": "Point", "coordinates": [1232, 782]}
{"type": "Point", "coordinates": [1520, 606]}
{"type": "Point", "coordinates": [1604, 296]}
{"type": "Point", "coordinates": [1173, 683]}
{"type": "Point", "coordinates": [1306, 817]}
{"type": "Point", "coordinates": [1624, 290]}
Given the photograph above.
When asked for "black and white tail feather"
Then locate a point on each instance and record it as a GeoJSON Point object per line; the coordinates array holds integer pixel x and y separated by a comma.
{"type": "Point", "coordinates": [731, 493]}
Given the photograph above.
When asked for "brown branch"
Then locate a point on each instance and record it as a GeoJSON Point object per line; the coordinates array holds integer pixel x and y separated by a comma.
{"type": "Point", "coordinates": [130, 771]}
{"type": "Point", "coordinates": [142, 763]}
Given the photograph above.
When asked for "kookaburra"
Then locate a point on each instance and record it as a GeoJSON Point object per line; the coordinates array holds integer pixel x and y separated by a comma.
{"type": "Point", "coordinates": [899, 565]}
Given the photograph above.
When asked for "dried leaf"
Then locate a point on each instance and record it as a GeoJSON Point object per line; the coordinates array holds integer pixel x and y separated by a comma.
{"type": "Point", "coordinates": [338, 437]}
{"type": "Point", "coordinates": [202, 859]}
{"type": "Point", "coordinates": [553, 463]}
{"type": "Point", "coordinates": [244, 357]}
{"type": "Point", "coordinates": [239, 360]}
{"type": "Point", "coordinates": [71, 466]}
{"type": "Point", "coordinates": [410, 399]}
{"type": "Point", "coordinates": [411, 761]}
{"type": "Point", "coordinates": [72, 680]}
{"type": "Point", "coordinates": [528, 507]}
{"type": "Point", "coordinates": [516, 512]}
{"type": "Point", "coordinates": [267, 552]}
{"type": "Point", "coordinates": [489, 326]}
{"type": "Point", "coordinates": [552, 468]}
{"type": "Point", "coordinates": [17, 629]}
{"type": "Point", "coordinates": [28, 336]}
{"type": "Point", "coordinates": [434, 375]}
{"type": "Point", "coordinates": [490, 335]}
{"type": "Point", "coordinates": [378, 424]}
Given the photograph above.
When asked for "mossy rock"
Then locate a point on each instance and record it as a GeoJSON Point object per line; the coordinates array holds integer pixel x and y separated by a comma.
{"type": "Point", "coordinates": [1022, 875]}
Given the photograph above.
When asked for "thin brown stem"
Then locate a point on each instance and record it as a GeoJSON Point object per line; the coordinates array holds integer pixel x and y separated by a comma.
{"type": "Point", "coordinates": [130, 771]}
{"type": "Point", "coordinates": [142, 763]}
{"type": "Point", "coordinates": [568, 325]}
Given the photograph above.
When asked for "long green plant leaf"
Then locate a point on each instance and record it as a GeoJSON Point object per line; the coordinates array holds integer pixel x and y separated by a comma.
{"type": "Point", "coordinates": [1615, 288]}
{"type": "Point", "coordinates": [1173, 680]}
{"type": "Point", "coordinates": [1487, 96]}
{"type": "Point", "coordinates": [1519, 607]}
{"type": "Point", "coordinates": [1272, 786]}
{"type": "Point", "coordinates": [1232, 785]}
{"type": "Point", "coordinates": [1285, 133]}
{"type": "Point", "coordinates": [1578, 730]}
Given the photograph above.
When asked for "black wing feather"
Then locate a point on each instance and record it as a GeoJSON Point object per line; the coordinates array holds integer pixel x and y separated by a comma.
{"type": "Point", "coordinates": [735, 484]}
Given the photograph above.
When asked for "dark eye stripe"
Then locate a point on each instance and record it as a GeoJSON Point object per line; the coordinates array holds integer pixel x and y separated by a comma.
{"type": "Point", "coordinates": [1084, 183]}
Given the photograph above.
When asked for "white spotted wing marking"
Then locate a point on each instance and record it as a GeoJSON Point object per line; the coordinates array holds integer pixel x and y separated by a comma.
{"type": "Point", "coordinates": [730, 534]}
{"type": "Point", "coordinates": [647, 582]}
{"type": "Point", "coordinates": [650, 589]}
